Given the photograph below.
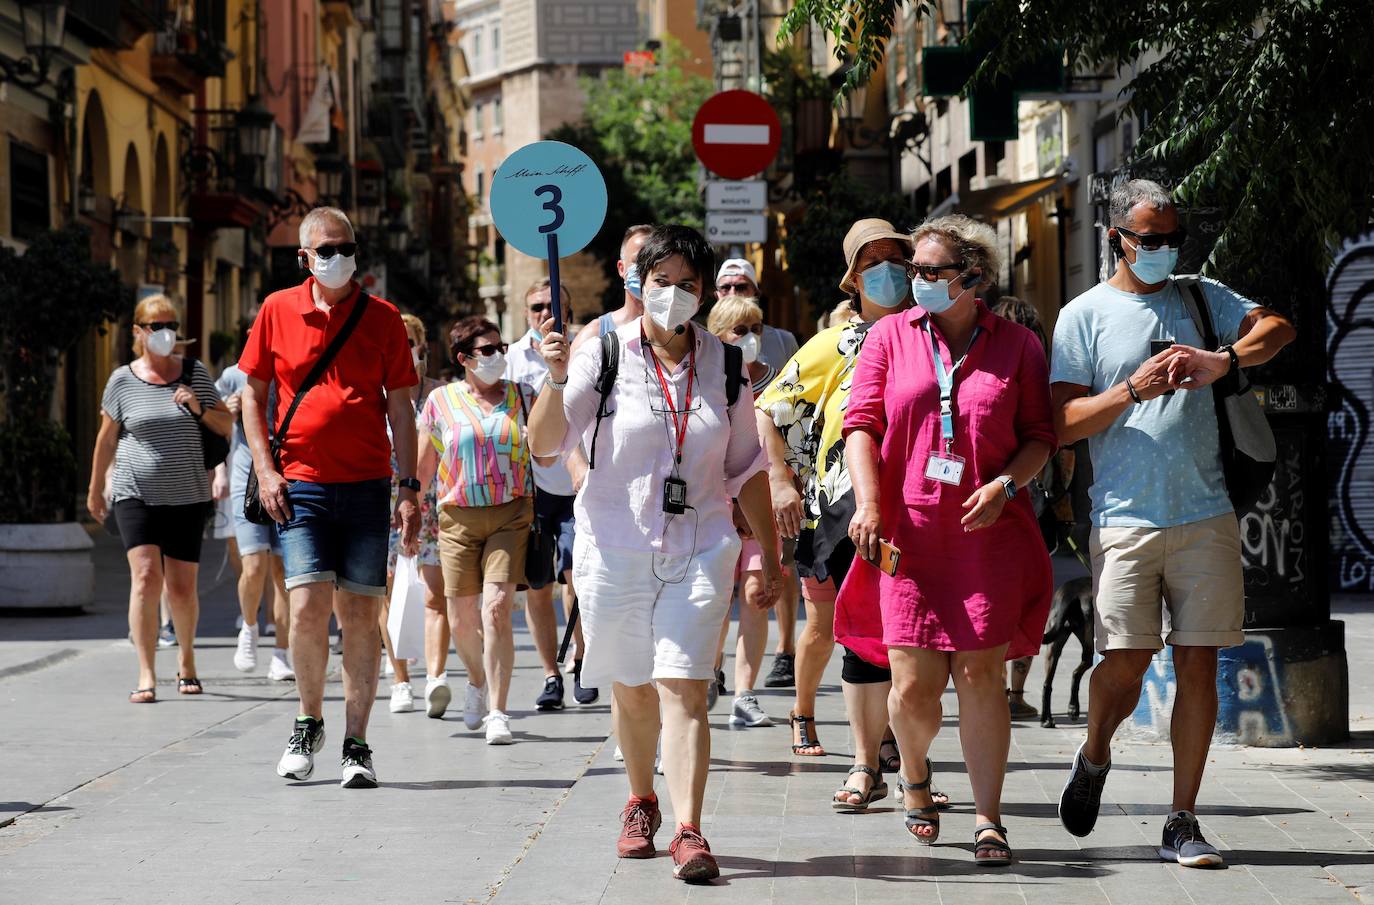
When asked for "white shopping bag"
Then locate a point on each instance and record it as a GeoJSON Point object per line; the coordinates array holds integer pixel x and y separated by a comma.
{"type": "Point", "coordinates": [405, 622]}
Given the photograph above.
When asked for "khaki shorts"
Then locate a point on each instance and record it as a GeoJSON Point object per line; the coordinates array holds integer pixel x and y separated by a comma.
{"type": "Point", "coordinates": [483, 545]}
{"type": "Point", "coordinates": [1191, 571]}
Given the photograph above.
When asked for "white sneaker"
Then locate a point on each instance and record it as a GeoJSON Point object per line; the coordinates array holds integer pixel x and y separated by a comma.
{"type": "Point", "coordinates": [402, 698]}
{"type": "Point", "coordinates": [474, 704]}
{"type": "Point", "coordinates": [498, 728]}
{"type": "Point", "coordinates": [298, 761]}
{"type": "Point", "coordinates": [386, 669]}
{"type": "Point", "coordinates": [619, 755]}
{"type": "Point", "coordinates": [437, 698]}
{"type": "Point", "coordinates": [279, 670]}
{"type": "Point", "coordinates": [246, 654]}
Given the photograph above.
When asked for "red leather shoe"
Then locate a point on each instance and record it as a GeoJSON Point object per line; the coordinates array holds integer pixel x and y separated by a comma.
{"type": "Point", "coordinates": [641, 819]}
{"type": "Point", "coordinates": [692, 858]}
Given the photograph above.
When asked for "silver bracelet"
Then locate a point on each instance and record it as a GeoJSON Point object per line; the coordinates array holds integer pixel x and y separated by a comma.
{"type": "Point", "coordinates": [549, 381]}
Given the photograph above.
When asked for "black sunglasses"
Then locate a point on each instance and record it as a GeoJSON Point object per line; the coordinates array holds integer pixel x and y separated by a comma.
{"type": "Point", "coordinates": [1155, 241]}
{"type": "Point", "coordinates": [488, 350]}
{"type": "Point", "coordinates": [932, 271]}
{"type": "Point", "coordinates": [347, 249]}
{"type": "Point", "coordinates": [155, 326]}
{"type": "Point", "coordinates": [540, 307]}
{"type": "Point", "coordinates": [741, 329]}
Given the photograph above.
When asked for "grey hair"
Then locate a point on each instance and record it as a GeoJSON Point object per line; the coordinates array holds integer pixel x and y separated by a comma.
{"type": "Point", "coordinates": [317, 216]}
{"type": "Point", "coordinates": [1126, 196]}
{"type": "Point", "coordinates": [974, 242]}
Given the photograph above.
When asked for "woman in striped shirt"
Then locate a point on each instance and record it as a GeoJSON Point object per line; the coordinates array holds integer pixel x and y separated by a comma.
{"type": "Point", "coordinates": [477, 446]}
{"type": "Point", "coordinates": [150, 422]}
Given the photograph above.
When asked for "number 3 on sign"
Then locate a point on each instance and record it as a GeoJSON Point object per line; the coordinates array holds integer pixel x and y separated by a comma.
{"type": "Point", "coordinates": [553, 205]}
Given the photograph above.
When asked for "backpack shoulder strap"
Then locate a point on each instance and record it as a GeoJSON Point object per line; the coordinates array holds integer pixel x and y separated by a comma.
{"type": "Point", "coordinates": [605, 382]}
{"type": "Point", "coordinates": [1201, 314]}
{"type": "Point", "coordinates": [734, 373]}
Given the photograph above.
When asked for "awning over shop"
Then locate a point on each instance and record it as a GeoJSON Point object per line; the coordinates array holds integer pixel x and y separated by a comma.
{"type": "Point", "coordinates": [1001, 201]}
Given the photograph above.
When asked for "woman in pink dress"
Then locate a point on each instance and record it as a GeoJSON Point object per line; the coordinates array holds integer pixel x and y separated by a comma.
{"type": "Point", "coordinates": [948, 417]}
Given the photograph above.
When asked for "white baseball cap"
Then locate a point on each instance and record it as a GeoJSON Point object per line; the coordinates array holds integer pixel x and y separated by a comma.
{"type": "Point", "coordinates": [738, 267]}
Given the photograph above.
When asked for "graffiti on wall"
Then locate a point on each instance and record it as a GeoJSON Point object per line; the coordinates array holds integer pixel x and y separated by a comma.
{"type": "Point", "coordinates": [1350, 356]}
{"type": "Point", "coordinates": [1250, 708]}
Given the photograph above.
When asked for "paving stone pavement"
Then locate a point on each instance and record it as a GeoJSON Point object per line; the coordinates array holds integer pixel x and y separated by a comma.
{"type": "Point", "coordinates": [102, 801]}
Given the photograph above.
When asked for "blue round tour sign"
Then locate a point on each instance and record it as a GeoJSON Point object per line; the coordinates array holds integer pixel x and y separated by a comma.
{"type": "Point", "coordinates": [545, 189]}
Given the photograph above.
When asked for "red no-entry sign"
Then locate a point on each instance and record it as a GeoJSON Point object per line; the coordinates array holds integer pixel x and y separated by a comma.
{"type": "Point", "coordinates": [736, 134]}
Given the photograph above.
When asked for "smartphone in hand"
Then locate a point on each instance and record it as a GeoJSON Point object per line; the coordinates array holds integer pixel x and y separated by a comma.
{"type": "Point", "coordinates": [888, 557]}
{"type": "Point", "coordinates": [1161, 345]}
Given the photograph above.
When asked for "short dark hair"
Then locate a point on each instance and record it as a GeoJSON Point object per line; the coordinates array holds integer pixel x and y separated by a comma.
{"type": "Point", "coordinates": [465, 333]}
{"type": "Point", "coordinates": [674, 239]}
{"type": "Point", "coordinates": [639, 229]}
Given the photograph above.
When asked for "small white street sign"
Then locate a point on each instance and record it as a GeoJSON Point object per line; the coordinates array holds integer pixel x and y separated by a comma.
{"type": "Point", "coordinates": [724, 228]}
{"type": "Point", "coordinates": [742, 195]}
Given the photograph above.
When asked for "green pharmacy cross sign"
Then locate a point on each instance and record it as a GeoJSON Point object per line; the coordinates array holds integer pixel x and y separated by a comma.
{"type": "Point", "coordinates": [945, 70]}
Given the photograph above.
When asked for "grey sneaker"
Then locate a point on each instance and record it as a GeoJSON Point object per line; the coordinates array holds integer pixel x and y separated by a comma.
{"type": "Point", "coordinates": [357, 765]}
{"type": "Point", "coordinates": [307, 737]}
{"type": "Point", "coordinates": [1183, 842]}
{"type": "Point", "coordinates": [748, 712]}
{"type": "Point", "coordinates": [1082, 796]}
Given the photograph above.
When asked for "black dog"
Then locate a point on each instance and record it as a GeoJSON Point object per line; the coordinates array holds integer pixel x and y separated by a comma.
{"type": "Point", "coordinates": [1071, 616]}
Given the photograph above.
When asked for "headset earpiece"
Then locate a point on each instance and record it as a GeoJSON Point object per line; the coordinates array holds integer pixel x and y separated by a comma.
{"type": "Point", "coordinates": [303, 259]}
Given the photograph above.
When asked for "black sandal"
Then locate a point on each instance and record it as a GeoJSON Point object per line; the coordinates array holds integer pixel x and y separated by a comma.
{"type": "Point", "coordinates": [916, 818]}
{"type": "Point", "coordinates": [983, 846]}
{"type": "Point", "coordinates": [189, 686]}
{"type": "Point", "coordinates": [877, 793]}
{"type": "Point", "coordinates": [805, 726]}
{"type": "Point", "coordinates": [890, 756]}
{"type": "Point", "coordinates": [139, 692]}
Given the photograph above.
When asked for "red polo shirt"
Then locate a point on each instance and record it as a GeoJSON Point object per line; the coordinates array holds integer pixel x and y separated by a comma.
{"type": "Point", "coordinates": [338, 433]}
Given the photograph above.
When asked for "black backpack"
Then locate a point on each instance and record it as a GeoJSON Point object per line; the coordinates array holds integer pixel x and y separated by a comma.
{"type": "Point", "coordinates": [610, 368]}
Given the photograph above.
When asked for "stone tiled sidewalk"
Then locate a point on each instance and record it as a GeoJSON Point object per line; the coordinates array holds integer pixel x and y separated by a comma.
{"type": "Point", "coordinates": [178, 802]}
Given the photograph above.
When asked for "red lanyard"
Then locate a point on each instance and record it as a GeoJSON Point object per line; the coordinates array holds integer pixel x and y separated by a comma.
{"type": "Point", "coordinates": [679, 427]}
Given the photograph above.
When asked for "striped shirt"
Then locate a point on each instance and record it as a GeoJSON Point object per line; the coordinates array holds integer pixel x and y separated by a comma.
{"type": "Point", "coordinates": [484, 458]}
{"type": "Point", "coordinates": [159, 458]}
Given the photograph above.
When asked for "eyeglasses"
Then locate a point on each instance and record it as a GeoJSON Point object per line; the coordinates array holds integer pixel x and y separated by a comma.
{"type": "Point", "coordinates": [347, 249]}
{"type": "Point", "coordinates": [540, 307]}
{"type": "Point", "coordinates": [1155, 241]}
{"type": "Point", "coordinates": [930, 272]}
{"type": "Point", "coordinates": [743, 288]}
{"type": "Point", "coordinates": [155, 326]}
{"type": "Point", "coordinates": [741, 329]}
{"type": "Point", "coordinates": [489, 350]}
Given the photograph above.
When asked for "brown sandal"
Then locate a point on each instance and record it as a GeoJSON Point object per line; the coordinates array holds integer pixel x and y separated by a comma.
{"type": "Point", "coordinates": [143, 696]}
{"type": "Point", "coordinates": [805, 726]}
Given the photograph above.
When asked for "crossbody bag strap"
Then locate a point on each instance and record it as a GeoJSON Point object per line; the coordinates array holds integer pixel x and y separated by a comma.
{"type": "Point", "coordinates": [316, 372]}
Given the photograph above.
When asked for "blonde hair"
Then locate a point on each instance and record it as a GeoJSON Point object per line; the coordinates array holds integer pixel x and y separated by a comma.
{"type": "Point", "coordinates": [975, 243]}
{"type": "Point", "coordinates": [151, 308]}
{"type": "Point", "coordinates": [415, 327]}
{"type": "Point", "coordinates": [732, 310]}
{"type": "Point", "coordinates": [842, 313]}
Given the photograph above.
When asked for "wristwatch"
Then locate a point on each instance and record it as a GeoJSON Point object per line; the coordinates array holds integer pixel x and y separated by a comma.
{"type": "Point", "coordinates": [1231, 353]}
{"type": "Point", "coordinates": [410, 484]}
{"type": "Point", "coordinates": [1008, 486]}
{"type": "Point", "coordinates": [548, 379]}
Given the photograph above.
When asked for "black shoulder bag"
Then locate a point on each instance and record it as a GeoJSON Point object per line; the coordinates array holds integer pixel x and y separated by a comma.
{"type": "Point", "coordinates": [214, 447]}
{"type": "Point", "coordinates": [252, 506]}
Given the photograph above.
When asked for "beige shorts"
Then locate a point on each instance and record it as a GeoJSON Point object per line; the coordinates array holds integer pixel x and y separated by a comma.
{"type": "Point", "coordinates": [1192, 572]}
{"type": "Point", "coordinates": [483, 545]}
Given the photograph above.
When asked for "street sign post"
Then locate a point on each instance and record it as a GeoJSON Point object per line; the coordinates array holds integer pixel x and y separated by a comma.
{"type": "Point", "coordinates": [736, 134]}
{"type": "Point", "coordinates": [737, 195]}
{"type": "Point", "coordinates": [548, 200]}
{"type": "Point", "coordinates": [723, 228]}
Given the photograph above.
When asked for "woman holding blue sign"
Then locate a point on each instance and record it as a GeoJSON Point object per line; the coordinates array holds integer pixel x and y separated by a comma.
{"type": "Point", "coordinates": [671, 440]}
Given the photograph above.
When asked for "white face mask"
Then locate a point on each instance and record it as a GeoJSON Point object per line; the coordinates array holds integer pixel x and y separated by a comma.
{"type": "Point", "coordinates": [488, 368]}
{"type": "Point", "coordinates": [161, 342]}
{"type": "Point", "coordinates": [415, 356]}
{"type": "Point", "coordinates": [749, 346]}
{"type": "Point", "coordinates": [335, 272]}
{"type": "Point", "coordinates": [670, 306]}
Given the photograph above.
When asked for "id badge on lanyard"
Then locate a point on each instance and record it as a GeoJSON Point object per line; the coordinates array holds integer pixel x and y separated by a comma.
{"type": "Point", "coordinates": [943, 465]}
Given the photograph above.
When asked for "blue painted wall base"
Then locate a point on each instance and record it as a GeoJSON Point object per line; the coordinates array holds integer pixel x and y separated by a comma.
{"type": "Point", "coordinates": [1282, 688]}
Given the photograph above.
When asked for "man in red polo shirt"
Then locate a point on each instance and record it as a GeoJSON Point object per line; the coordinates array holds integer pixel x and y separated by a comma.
{"type": "Point", "coordinates": [330, 499]}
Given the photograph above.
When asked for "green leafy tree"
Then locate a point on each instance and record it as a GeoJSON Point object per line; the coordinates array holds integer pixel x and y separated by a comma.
{"type": "Point", "coordinates": [50, 297]}
{"type": "Point", "coordinates": [1259, 109]}
{"type": "Point", "coordinates": [638, 130]}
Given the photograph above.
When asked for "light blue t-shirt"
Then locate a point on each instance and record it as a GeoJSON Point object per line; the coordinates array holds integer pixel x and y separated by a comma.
{"type": "Point", "coordinates": [1159, 464]}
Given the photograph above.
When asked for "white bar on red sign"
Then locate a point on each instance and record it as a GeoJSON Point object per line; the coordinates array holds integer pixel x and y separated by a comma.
{"type": "Point", "coordinates": [735, 134]}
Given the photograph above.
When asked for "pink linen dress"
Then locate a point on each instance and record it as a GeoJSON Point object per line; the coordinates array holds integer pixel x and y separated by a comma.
{"type": "Point", "coordinates": [953, 591]}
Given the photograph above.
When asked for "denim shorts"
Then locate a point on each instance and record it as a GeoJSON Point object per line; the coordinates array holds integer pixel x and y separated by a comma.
{"type": "Point", "coordinates": [555, 514]}
{"type": "Point", "coordinates": [338, 533]}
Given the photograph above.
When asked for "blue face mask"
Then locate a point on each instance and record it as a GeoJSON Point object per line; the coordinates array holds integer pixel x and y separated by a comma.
{"type": "Point", "coordinates": [885, 284]}
{"type": "Point", "coordinates": [632, 283]}
{"type": "Point", "coordinates": [933, 297]}
{"type": "Point", "coordinates": [1153, 266]}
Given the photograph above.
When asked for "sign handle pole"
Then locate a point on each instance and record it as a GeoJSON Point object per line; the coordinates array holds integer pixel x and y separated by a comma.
{"type": "Point", "coordinates": [555, 286]}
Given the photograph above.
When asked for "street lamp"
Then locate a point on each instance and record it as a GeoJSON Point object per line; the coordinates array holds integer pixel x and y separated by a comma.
{"type": "Point", "coordinates": [419, 258]}
{"type": "Point", "coordinates": [329, 174]}
{"type": "Point", "coordinates": [369, 193]}
{"type": "Point", "coordinates": [254, 124]}
{"type": "Point", "coordinates": [396, 234]}
{"type": "Point", "coordinates": [44, 24]}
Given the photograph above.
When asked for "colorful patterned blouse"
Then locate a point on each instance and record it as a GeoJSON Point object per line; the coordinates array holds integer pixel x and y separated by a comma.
{"type": "Point", "coordinates": [484, 459]}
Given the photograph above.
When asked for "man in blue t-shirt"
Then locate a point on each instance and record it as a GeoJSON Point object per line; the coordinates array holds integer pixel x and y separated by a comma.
{"type": "Point", "coordinates": [1128, 373]}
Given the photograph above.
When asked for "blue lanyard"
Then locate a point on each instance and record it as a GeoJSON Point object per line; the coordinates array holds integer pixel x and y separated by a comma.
{"type": "Point", "coordinates": [946, 382]}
